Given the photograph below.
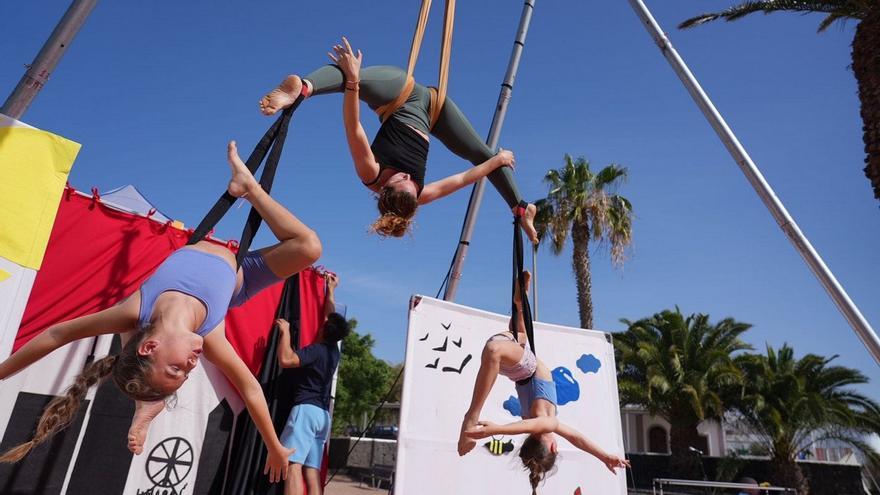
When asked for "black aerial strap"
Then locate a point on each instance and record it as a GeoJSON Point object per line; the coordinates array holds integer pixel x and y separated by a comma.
{"type": "Point", "coordinates": [272, 144]}
{"type": "Point", "coordinates": [518, 280]}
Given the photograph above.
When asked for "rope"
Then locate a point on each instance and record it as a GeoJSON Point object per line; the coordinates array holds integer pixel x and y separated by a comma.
{"type": "Point", "coordinates": [272, 143]}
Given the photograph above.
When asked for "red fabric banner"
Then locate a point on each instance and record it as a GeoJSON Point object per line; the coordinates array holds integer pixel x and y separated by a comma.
{"type": "Point", "coordinates": [97, 256]}
{"type": "Point", "coordinates": [311, 305]}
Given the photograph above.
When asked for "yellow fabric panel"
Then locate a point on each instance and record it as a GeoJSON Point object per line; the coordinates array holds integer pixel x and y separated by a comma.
{"type": "Point", "coordinates": [34, 165]}
{"type": "Point", "coordinates": [4, 275]}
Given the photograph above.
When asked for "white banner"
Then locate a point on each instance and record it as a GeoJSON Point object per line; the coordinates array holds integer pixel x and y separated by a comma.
{"type": "Point", "coordinates": [443, 349]}
{"type": "Point", "coordinates": [15, 288]}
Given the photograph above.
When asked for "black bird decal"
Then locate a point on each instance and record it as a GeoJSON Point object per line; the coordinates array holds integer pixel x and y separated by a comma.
{"type": "Point", "coordinates": [463, 364]}
{"type": "Point", "coordinates": [434, 366]}
{"type": "Point", "coordinates": [424, 338]}
{"type": "Point", "coordinates": [458, 344]}
{"type": "Point", "coordinates": [446, 325]}
{"type": "Point", "coordinates": [442, 348]}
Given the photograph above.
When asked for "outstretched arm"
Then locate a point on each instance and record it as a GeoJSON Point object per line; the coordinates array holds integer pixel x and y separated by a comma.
{"type": "Point", "coordinates": [117, 319]}
{"type": "Point", "coordinates": [365, 163]}
{"type": "Point", "coordinates": [449, 185]}
{"type": "Point", "coordinates": [219, 351]}
{"type": "Point", "coordinates": [580, 441]}
{"type": "Point", "coordinates": [532, 426]}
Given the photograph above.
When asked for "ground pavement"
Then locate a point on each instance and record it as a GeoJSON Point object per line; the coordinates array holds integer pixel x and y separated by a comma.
{"type": "Point", "coordinates": [343, 485]}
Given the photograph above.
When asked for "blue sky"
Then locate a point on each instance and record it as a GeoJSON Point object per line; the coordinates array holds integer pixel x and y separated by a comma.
{"type": "Point", "coordinates": [153, 91]}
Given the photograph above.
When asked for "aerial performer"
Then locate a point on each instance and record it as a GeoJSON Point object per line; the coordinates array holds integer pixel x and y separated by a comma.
{"type": "Point", "coordinates": [394, 165]}
{"type": "Point", "coordinates": [175, 316]}
{"type": "Point", "coordinates": [509, 355]}
{"type": "Point", "coordinates": [308, 425]}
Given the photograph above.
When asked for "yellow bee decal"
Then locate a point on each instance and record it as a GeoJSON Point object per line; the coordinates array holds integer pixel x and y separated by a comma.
{"type": "Point", "coordinates": [497, 446]}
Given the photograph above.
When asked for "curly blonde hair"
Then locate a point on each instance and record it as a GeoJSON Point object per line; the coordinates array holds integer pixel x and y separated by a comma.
{"type": "Point", "coordinates": [397, 209]}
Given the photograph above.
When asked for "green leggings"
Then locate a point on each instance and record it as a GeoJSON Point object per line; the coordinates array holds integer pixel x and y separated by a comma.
{"type": "Point", "coordinates": [382, 84]}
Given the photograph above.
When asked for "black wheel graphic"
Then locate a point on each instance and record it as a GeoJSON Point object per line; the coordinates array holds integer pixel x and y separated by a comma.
{"type": "Point", "coordinates": [170, 462]}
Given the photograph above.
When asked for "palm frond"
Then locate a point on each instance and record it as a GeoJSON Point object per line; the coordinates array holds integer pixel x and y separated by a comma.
{"type": "Point", "coordinates": [841, 9]}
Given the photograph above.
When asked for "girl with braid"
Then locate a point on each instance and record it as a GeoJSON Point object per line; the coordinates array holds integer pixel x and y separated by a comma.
{"type": "Point", "coordinates": [505, 355]}
{"type": "Point", "coordinates": [176, 316]}
{"type": "Point", "coordinates": [394, 165]}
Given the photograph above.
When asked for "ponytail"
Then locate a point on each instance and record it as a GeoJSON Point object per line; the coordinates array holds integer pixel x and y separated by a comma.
{"type": "Point", "coordinates": [61, 410]}
{"type": "Point", "coordinates": [537, 460]}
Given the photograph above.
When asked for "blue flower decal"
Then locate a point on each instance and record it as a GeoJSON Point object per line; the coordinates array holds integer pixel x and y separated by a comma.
{"type": "Point", "coordinates": [588, 363]}
{"type": "Point", "coordinates": [512, 406]}
{"type": "Point", "coordinates": [567, 388]}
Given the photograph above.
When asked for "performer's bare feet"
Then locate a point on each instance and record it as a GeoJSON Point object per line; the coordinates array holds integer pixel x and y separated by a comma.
{"type": "Point", "coordinates": [281, 97]}
{"type": "Point", "coordinates": [466, 444]}
{"type": "Point", "coordinates": [527, 222]}
{"type": "Point", "coordinates": [144, 413]}
{"type": "Point", "coordinates": [242, 181]}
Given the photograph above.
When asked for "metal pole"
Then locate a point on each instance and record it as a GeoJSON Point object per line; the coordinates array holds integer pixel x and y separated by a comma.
{"type": "Point", "coordinates": [756, 179]}
{"type": "Point", "coordinates": [470, 220]}
{"type": "Point", "coordinates": [38, 72]}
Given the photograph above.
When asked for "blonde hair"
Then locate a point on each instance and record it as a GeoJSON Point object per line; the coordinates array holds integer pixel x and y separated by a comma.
{"type": "Point", "coordinates": [130, 371]}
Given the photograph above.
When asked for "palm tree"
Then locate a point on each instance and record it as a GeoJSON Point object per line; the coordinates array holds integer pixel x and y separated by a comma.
{"type": "Point", "coordinates": [584, 203]}
{"type": "Point", "coordinates": [865, 55]}
{"type": "Point", "coordinates": [682, 369]}
{"type": "Point", "coordinates": [793, 403]}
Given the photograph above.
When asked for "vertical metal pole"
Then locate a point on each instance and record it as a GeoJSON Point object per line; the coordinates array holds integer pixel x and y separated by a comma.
{"type": "Point", "coordinates": [38, 72]}
{"type": "Point", "coordinates": [849, 310]}
{"type": "Point", "coordinates": [470, 220]}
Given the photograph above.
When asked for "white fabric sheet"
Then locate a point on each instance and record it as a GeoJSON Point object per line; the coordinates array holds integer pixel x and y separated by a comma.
{"type": "Point", "coordinates": [440, 338]}
{"type": "Point", "coordinates": [15, 287]}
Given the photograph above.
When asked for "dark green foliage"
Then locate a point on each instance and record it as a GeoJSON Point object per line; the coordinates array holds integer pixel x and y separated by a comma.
{"type": "Point", "coordinates": [363, 380]}
{"type": "Point", "coordinates": [680, 368]}
{"type": "Point", "coordinates": [793, 403]}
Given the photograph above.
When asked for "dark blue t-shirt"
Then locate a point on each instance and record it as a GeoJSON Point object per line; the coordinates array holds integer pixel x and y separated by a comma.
{"type": "Point", "coordinates": [317, 363]}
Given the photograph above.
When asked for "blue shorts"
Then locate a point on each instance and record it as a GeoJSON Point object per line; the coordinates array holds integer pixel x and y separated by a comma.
{"type": "Point", "coordinates": [306, 430]}
{"type": "Point", "coordinates": [256, 276]}
{"type": "Point", "coordinates": [534, 389]}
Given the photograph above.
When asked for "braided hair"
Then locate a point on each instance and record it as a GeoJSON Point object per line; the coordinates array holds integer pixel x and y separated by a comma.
{"type": "Point", "coordinates": [130, 373]}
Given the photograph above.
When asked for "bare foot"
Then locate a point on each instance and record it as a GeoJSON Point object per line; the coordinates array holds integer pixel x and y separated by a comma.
{"type": "Point", "coordinates": [242, 181]}
{"type": "Point", "coordinates": [466, 444]}
{"type": "Point", "coordinates": [527, 222]}
{"type": "Point", "coordinates": [281, 97]}
{"type": "Point", "coordinates": [144, 413]}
